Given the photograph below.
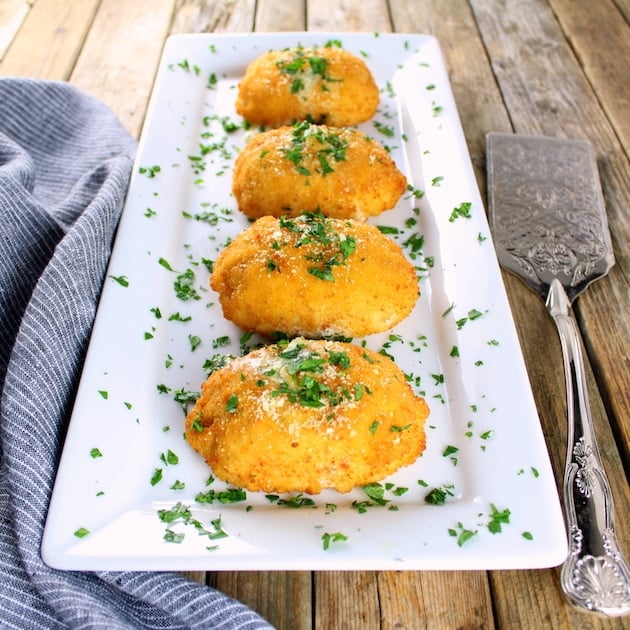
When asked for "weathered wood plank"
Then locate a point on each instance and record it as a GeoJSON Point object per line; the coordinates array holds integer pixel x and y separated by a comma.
{"type": "Point", "coordinates": [202, 16]}
{"type": "Point", "coordinates": [548, 609]}
{"type": "Point", "coordinates": [347, 599]}
{"type": "Point", "coordinates": [478, 99]}
{"type": "Point", "coordinates": [195, 576]}
{"type": "Point", "coordinates": [272, 15]}
{"type": "Point", "coordinates": [12, 15]}
{"type": "Point", "coordinates": [545, 91]}
{"type": "Point", "coordinates": [600, 37]}
{"type": "Point", "coordinates": [482, 109]}
{"type": "Point", "coordinates": [435, 599]}
{"type": "Point", "coordinates": [281, 597]}
{"type": "Point", "coordinates": [624, 7]}
{"type": "Point", "coordinates": [555, 99]}
{"type": "Point", "coordinates": [50, 39]}
{"type": "Point", "coordinates": [120, 56]}
{"type": "Point", "coordinates": [348, 15]}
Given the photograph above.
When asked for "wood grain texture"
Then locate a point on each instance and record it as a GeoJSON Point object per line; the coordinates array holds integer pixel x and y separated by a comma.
{"type": "Point", "coordinates": [546, 92]}
{"type": "Point", "coordinates": [624, 7]}
{"type": "Point", "coordinates": [347, 599]}
{"type": "Point", "coordinates": [553, 67]}
{"type": "Point", "coordinates": [555, 98]}
{"type": "Point", "coordinates": [51, 39]}
{"type": "Point", "coordinates": [281, 597]}
{"type": "Point", "coordinates": [435, 599]}
{"type": "Point", "coordinates": [273, 16]}
{"type": "Point", "coordinates": [600, 38]}
{"type": "Point", "coordinates": [479, 101]}
{"type": "Point", "coordinates": [120, 56]}
{"type": "Point", "coordinates": [12, 15]}
{"type": "Point", "coordinates": [205, 16]}
{"type": "Point", "coordinates": [348, 15]}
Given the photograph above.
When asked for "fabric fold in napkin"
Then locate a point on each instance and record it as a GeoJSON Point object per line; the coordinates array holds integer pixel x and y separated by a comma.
{"type": "Point", "coordinates": [65, 162]}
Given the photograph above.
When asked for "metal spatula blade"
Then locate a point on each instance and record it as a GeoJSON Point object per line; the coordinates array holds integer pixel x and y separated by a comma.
{"type": "Point", "coordinates": [548, 221]}
{"type": "Point", "coordinates": [547, 211]}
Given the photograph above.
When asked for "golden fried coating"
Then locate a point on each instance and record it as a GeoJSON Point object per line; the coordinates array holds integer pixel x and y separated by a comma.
{"type": "Point", "coordinates": [314, 276]}
{"type": "Point", "coordinates": [321, 84]}
{"type": "Point", "coordinates": [307, 415]}
{"type": "Point", "coordinates": [339, 172]}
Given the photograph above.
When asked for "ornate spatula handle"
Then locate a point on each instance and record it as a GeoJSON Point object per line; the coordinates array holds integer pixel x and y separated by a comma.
{"type": "Point", "coordinates": [595, 574]}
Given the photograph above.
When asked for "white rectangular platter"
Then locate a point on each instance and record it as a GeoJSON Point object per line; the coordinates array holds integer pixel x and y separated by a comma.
{"type": "Point", "coordinates": [129, 490]}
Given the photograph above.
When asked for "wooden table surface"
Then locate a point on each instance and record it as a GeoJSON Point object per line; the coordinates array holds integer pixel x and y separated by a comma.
{"type": "Point", "coordinates": [547, 67]}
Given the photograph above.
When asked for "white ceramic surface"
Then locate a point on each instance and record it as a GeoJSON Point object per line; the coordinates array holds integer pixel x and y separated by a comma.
{"type": "Point", "coordinates": [459, 348]}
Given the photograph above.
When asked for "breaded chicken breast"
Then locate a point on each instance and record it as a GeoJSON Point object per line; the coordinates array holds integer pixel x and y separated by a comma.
{"type": "Point", "coordinates": [314, 276]}
{"type": "Point", "coordinates": [324, 84]}
{"type": "Point", "coordinates": [339, 172]}
{"type": "Point", "coordinates": [307, 415]}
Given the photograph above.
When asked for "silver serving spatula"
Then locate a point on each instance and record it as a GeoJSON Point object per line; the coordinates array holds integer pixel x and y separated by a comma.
{"type": "Point", "coordinates": [549, 225]}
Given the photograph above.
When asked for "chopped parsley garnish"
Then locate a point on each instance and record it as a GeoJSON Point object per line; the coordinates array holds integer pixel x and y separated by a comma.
{"type": "Point", "coordinates": [231, 406]}
{"type": "Point", "coordinates": [178, 317]}
{"type": "Point", "coordinates": [184, 286]}
{"type": "Point", "coordinates": [395, 428]}
{"type": "Point", "coordinates": [461, 211]}
{"type": "Point", "coordinates": [498, 518]}
{"type": "Point", "coordinates": [438, 496]}
{"type": "Point", "coordinates": [416, 193]}
{"type": "Point", "coordinates": [307, 140]}
{"type": "Point", "coordinates": [164, 263]}
{"type": "Point", "coordinates": [195, 342]}
{"type": "Point", "coordinates": [328, 539]}
{"type": "Point", "coordinates": [181, 513]}
{"type": "Point", "coordinates": [301, 65]}
{"type": "Point", "coordinates": [462, 534]}
{"type": "Point", "coordinates": [82, 532]}
{"type": "Point", "coordinates": [376, 492]}
{"type": "Point", "coordinates": [220, 342]}
{"type": "Point", "coordinates": [178, 512]}
{"type": "Point", "coordinates": [185, 398]}
{"type": "Point", "coordinates": [330, 249]}
{"type": "Point", "coordinates": [149, 171]}
{"type": "Point", "coordinates": [95, 453]}
{"type": "Point", "coordinates": [386, 130]}
{"type": "Point", "coordinates": [216, 362]}
{"type": "Point", "coordinates": [158, 473]}
{"type": "Point", "coordinates": [123, 281]}
{"type": "Point", "coordinates": [230, 495]}
{"type": "Point", "coordinates": [438, 378]}
{"type": "Point", "coordinates": [295, 501]}
{"type": "Point", "coordinates": [173, 537]}
{"type": "Point", "coordinates": [388, 229]}
{"type": "Point", "coordinates": [300, 382]}
{"type": "Point", "coordinates": [169, 458]}
{"type": "Point", "coordinates": [473, 314]}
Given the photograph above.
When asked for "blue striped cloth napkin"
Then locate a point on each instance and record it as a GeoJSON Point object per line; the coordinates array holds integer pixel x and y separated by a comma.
{"type": "Point", "coordinates": [65, 162]}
